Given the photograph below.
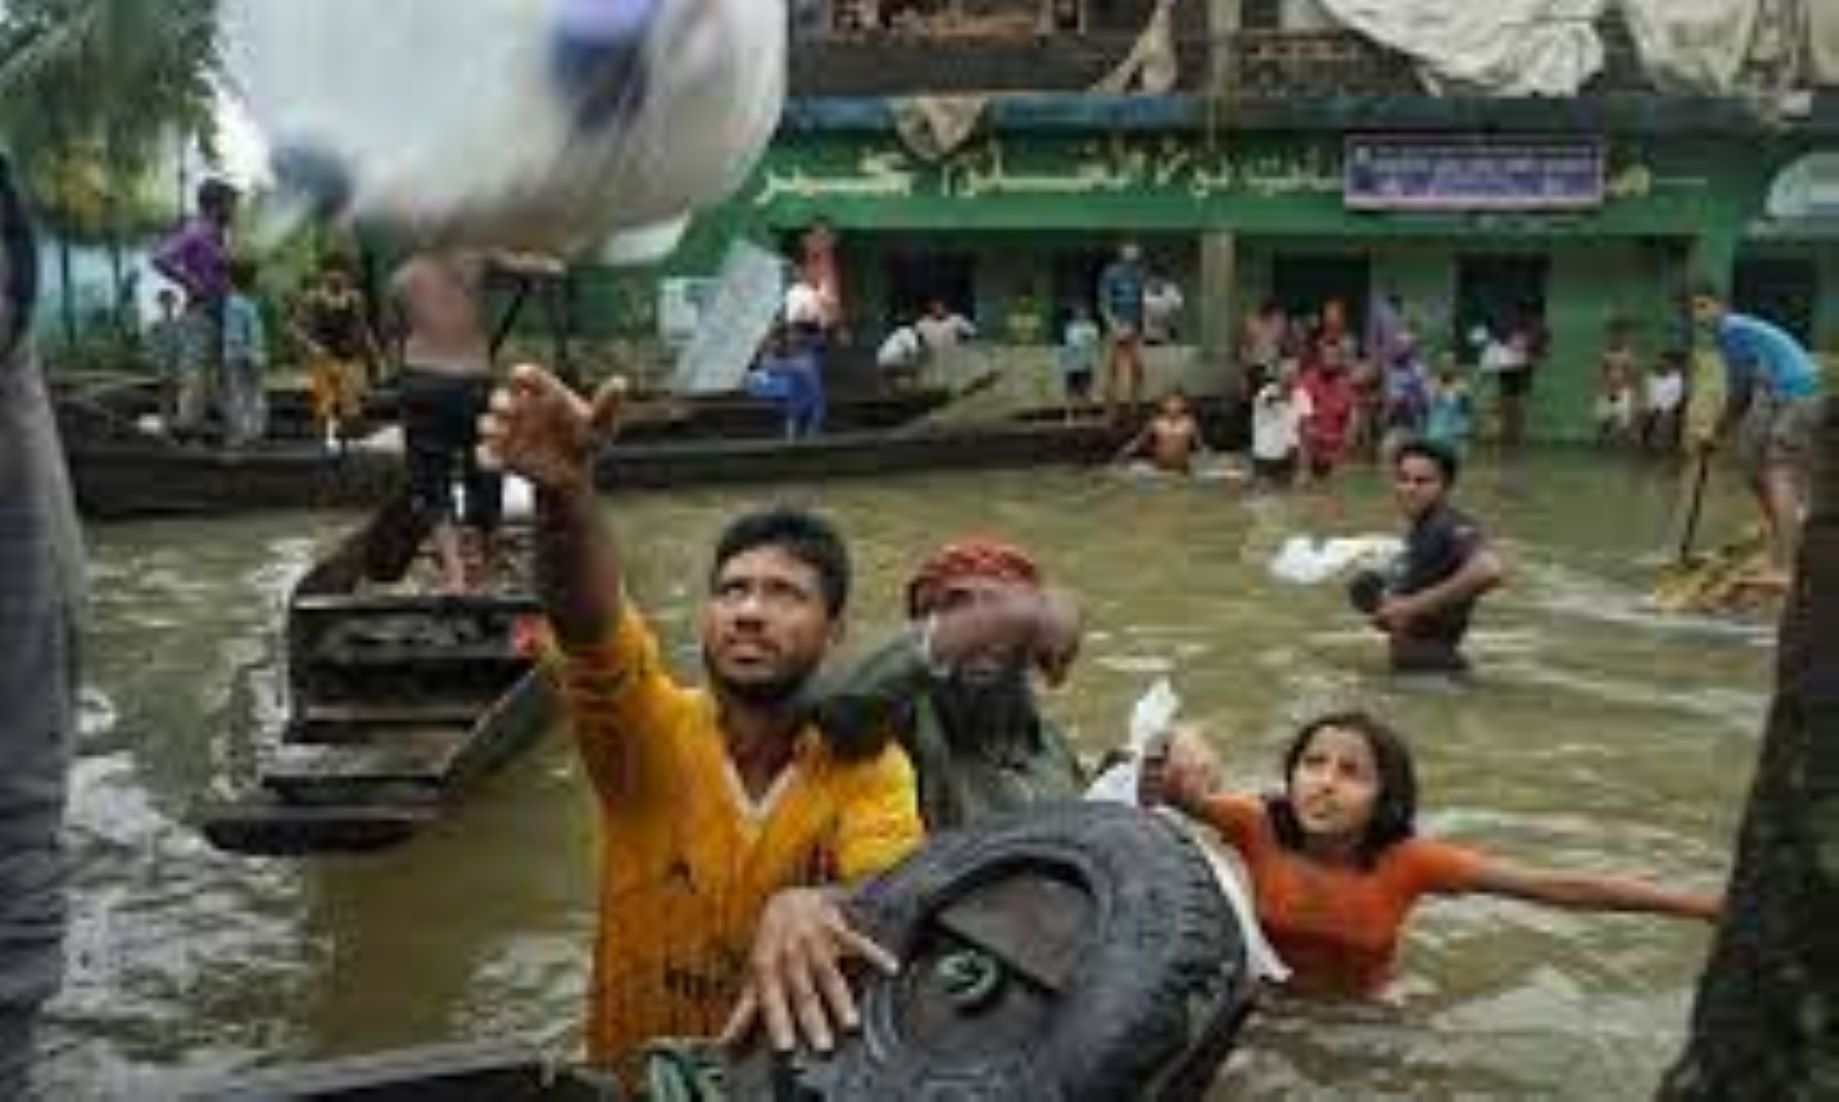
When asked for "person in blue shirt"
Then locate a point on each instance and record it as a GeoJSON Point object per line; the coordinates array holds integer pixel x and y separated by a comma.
{"type": "Point", "coordinates": [1773, 392]}
{"type": "Point", "coordinates": [1120, 306]}
{"type": "Point", "coordinates": [245, 358]}
{"type": "Point", "coordinates": [789, 374]}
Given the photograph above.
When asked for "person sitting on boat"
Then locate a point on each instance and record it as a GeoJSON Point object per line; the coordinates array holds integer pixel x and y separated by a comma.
{"type": "Point", "coordinates": [955, 686]}
{"type": "Point", "coordinates": [727, 819]}
{"type": "Point", "coordinates": [1336, 864]}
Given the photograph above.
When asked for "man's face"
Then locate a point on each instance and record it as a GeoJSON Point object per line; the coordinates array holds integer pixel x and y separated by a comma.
{"type": "Point", "coordinates": [765, 627]}
{"type": "Point", "coordinates": [1130, 254]}
{"type": "Point", "coordinates": [988, 666]}
{"type": "Point", "coordinates": [1705, 309]}
{"type": "Point", "coordinates": [1418, 484]}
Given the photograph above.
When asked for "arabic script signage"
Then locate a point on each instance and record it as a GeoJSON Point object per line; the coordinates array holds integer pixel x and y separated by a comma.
{"type": "Point", "coordinates": [1087, 169]}
{"type": "Point", "coordinates": [1411, 173]}
{"type": "Point", "coordinates": [1083, 181]}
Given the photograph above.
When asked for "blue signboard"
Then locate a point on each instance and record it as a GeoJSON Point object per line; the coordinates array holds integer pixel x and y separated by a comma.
{"type": "Point", "coordinates": [1438, 173]}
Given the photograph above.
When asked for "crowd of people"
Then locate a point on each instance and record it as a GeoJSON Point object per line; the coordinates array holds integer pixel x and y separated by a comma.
{"type": "Point", "coordinates": [736, 817]}
{"type": "Point", "coordinates": [210, 343]}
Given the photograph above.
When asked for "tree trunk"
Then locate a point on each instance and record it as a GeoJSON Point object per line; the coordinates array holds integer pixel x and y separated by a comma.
{"type": "Point", "coordinates": [67, 293]}
{"type": "Point", "coordinates": [121, 311]}
{"type": "Point", "coordinates": [1766, 1023]}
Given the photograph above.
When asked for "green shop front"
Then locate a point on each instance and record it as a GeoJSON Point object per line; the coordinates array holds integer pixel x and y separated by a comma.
{"type": "Point", "coordinates": [1012, 227]}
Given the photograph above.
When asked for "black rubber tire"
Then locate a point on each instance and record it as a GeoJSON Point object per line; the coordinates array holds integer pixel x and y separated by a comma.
{"type": "Point", "coordinates": [1149, 1011]}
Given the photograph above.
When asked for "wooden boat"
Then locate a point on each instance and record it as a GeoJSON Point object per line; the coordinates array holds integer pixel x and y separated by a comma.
{"type": "Point", "coordinates": [399, 700]}
{"type": "Point", "coordinates": [672, 417]}
{"type": "Point", "coordinates": [121, 473]}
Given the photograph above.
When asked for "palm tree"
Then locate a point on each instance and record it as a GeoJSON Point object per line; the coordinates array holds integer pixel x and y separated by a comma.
{"type": "Point", "coordinates": [90, 91]}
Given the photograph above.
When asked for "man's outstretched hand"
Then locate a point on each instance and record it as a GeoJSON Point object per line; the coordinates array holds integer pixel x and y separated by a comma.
{"type": "Point", "coordinates": [795, 981]}
{"type": "Point", "coordinates": [537, 427]}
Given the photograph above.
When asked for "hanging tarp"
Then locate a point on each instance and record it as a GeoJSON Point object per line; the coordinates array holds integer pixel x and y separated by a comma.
{"type": "Point", "coordinates": [932, 126]}
{"type": "Point", "coordinates": [1501, 48]}
{"type": "Point", "coordinates": [1692, 45]}
{"type": "Point", "coordinates": [1823, 44]}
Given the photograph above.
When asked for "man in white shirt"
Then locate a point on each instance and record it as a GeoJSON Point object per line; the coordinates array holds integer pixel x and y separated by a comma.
{"type": "Point", "coordinates": [1162, 303]}
{"type": "Point", "coordinates": [944, 328]}
{"type": "Point", "coordinates": [804, 305]}
{"type": "Point", "coordinates": [1278, 414]}
{"type": "Point", "coordinates": [1664, 402]}
{"type": "Point", "coordinates": [901, 355]}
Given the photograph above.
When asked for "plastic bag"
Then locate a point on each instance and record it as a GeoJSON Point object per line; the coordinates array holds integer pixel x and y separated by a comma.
{"type": "Point", "coordinates": [1152, 724]}
{"type": "Point", "coordinates": [1303, 561]}
{"type": "Point", "coordinates": [1152, 720]}
{"type": "Point", "coordinates": [555, 127]}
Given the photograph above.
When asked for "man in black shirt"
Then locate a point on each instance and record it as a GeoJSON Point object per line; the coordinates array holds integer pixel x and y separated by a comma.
{"type": "Point", "coordinates": [1424, 601]}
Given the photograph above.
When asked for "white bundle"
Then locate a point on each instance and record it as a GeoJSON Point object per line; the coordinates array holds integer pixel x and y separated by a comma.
{"type": "Point", "coordinates": [551, 127]}
{"type": "Point", "coordinates": [1304, 561]}
{"type": "Point", "coordinates": [1152, 725]}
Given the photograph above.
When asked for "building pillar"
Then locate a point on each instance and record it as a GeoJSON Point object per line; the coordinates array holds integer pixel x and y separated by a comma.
{"type": "Point", "coordinates": [1219, 307]}
{"type": "Point", "coordinates": [1224, 18]}
{"type": "Point", "coordinates": [1713, 256]}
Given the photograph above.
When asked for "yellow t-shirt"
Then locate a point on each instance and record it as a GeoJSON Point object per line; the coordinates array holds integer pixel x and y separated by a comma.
{"type": "Point", "coordinates": [688, 860]}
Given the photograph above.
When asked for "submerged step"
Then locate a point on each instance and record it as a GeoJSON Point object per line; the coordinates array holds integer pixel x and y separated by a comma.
{"type": "Point", "coordinates": [411, 766]}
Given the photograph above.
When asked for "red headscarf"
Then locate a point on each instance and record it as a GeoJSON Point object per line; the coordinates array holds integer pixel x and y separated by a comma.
{"type": "Point", "coordinates": [968, 558]}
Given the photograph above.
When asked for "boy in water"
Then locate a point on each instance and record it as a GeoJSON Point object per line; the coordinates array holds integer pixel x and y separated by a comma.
{"type": "Point", "coordinates": [1171, 440]}
{"type": "Point", "coordinates": [1424, 602]}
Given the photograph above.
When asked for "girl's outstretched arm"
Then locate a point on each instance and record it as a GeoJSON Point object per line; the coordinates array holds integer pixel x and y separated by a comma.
{"type": "Point", "coordinates": [1590, 892]}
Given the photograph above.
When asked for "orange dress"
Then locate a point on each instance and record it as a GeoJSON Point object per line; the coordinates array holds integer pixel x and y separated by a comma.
{"type": "Point", "coordinates": [688, 860]}
{"type": "Point", "coordinates": [1336, 927]}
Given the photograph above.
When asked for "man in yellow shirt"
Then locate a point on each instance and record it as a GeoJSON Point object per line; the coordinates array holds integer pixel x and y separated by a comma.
{"type": "Point", "coordinates": [725, 817]}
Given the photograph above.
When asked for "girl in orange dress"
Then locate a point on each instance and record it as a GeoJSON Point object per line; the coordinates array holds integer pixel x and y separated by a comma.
{"type": "Point", "coordinates": [1336, 864]}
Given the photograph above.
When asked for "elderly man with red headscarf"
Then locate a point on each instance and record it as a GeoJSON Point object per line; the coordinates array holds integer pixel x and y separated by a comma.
{"type": "Point", "coordinates": [957, 687]}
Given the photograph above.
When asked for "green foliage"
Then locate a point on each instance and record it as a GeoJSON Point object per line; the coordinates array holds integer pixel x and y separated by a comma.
{"type": "Point", "coordinates": [90, 93]}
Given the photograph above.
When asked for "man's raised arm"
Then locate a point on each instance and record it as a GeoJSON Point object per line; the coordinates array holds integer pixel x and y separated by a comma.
{"type": "Point", "coordinates": [538, 428]}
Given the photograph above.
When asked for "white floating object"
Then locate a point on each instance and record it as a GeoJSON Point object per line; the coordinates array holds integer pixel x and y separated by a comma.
{"type": "Point", "coordinates": [1304, 561]}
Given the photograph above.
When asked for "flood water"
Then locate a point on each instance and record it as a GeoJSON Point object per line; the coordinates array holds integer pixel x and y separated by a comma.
{"type": "Point", "coordinates": [1597, 735]}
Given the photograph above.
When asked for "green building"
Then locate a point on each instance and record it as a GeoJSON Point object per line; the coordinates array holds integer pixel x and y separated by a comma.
{"type": "Point", "coordinates": [1296, 165]}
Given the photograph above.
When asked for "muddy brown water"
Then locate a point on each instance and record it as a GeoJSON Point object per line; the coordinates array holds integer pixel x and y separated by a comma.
{"type": "Point", "coordinates": [1597, 735]}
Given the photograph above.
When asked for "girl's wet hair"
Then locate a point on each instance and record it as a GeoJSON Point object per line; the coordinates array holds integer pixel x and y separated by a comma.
{"type": "Point", "coordinates": [1394, 810]}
